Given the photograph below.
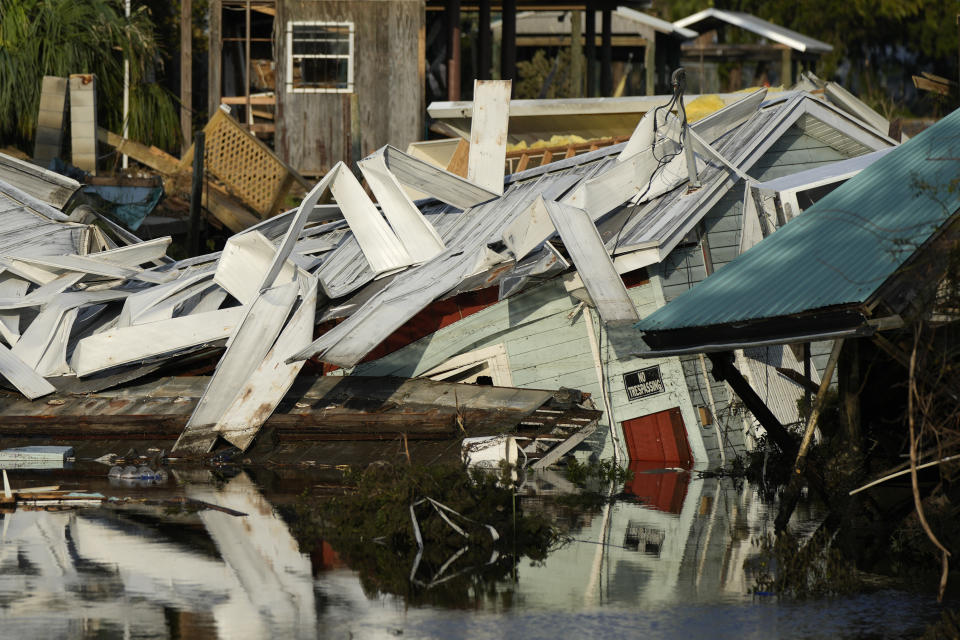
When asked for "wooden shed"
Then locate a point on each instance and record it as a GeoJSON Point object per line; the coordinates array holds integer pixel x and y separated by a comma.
{"type": "Point", "coordinates": [326, 80]}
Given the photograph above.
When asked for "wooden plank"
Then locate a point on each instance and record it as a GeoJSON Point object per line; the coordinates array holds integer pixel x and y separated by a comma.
{"type": "Point", "coordinates": [460, 160]}
{"type": "Point", "coordinates": [555, 453]}
{"type": "Point", "coordinates": [233, 215]}
{"type": "Point", "coordinates": [83, 122]}
{"type": "Point", "coordinates": [593, 263]}
{"type": "Point", "coordinates": [488, 133]}
{"type": "Point", "coordinates": [417, 235]}
{"type": "Point", "coordinates": [254, 100]}
{"type": "Point", "coordinates": [926, 84]}
{"type": "Point", "coordinates": [269, 383]}
{"type": "Point", "coordinates": [249, 344]}
{"type": "Point", "coordinates": [137, 343]}
{"type": "Point", "coordinates": [150, 156]}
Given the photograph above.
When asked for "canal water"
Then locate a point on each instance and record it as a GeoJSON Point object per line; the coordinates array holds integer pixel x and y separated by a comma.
{"type": "Point", "coordinates": [675, 557]}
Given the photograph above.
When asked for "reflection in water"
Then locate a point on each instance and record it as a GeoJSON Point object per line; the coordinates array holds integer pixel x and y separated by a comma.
{"type": "Point", "coordinates": [666, 562]}
{"type": "Point", "coordinates": [145, 573]}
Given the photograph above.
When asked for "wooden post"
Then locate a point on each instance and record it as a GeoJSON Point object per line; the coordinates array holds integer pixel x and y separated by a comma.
{"type": "Point", "coordinates": [606, 53]}
{"type": "Point", "coordinates": [453, 49]}
{"type": "Point", "coordinates": [806, 370]}
{"type": "Point", "coordinates": [848, 385]}
{"type": "Point", "coordinates": [818, 402]}
{"type": "Point", "coordinates": [214, 65]}
{"type": "Point", "coordinates": [508, 41]}
{"type": "Point", "coordinates": [186, 71]}
{"type": "Point", "coordinates": [196, 195]}
{"type": "Point", "coordinates": [650, 65]}
{"type": "Point", "coordinates": [590, 35]}
{"type": "Point", "coordinates": [484, 42]}
{"type": "Point", "coordinates": [786, 68]}
{"type": "Point", "coordinates": [576, 55]}
{"type": "Point", "coordinates": [723, 369]}
{"type": "Point", "coordinates": [356, 146]}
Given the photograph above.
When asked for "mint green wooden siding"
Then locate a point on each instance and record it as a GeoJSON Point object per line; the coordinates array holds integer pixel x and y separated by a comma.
{"type": "Point", "coordinates": [795, 151]}
{"type": "Point", "coordinates": [547, 343]}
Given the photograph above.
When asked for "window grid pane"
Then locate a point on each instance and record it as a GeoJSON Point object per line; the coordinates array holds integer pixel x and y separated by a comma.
{"type": "Point", "coordinates": [320, 57]}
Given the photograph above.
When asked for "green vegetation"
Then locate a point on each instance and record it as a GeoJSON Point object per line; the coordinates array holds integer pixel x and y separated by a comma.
{"type": "Point", "coordinates": [605, 471]}
{"type": "Point", "coordinates": [63, 37]}
{"type": "Point", "coordinates": [789, 567]}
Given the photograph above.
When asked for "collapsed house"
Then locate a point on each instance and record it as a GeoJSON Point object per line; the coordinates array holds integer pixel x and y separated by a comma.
{"type": "Point", "coordinates": [855, 266]}
{"type": "Point", "coordinates": [531, 281]}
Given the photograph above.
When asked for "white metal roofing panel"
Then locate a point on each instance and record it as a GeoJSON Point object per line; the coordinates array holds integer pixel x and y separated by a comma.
{"type": "Point", "coordinates": [759, 26]}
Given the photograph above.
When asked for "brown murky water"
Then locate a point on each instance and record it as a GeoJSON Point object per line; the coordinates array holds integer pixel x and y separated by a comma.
{"type": "Point", "coordinates": [669, 564]}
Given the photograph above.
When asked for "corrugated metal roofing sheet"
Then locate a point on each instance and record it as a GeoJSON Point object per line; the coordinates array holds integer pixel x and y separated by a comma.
{"type": "Point", "coordinates": [760, 27]}
{"type": "Point", "coordinates": [824, 174]}
{"type": "Point", "coordinates": [842, 248]}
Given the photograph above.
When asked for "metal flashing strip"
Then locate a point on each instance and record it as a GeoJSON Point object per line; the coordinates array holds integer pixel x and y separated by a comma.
{"type": "Point", "coordinates": [861, 331]}
{"type": "Point", "coordinates": [603, 283]}
{"type": "Point", "coordinates": [380, 245]}
{"type": "Point", "coordinates": [419, 238]}
{"type": "Point", "coordinates": [426, 178]}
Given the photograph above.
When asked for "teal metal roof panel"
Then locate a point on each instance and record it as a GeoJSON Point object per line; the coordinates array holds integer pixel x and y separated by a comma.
{"type": "Point", "coordinates": [838, 251]}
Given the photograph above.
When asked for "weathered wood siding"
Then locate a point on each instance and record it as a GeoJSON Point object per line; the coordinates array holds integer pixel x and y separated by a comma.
{"type": "Point", "coordinates": [548, 346]}
{"type": "Point", "coordinates": [721, 227]}
{"type": "Point", "coordinates": [314, 129]}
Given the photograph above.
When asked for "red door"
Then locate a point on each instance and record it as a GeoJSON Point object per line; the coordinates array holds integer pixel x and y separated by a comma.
{"type": "Point", "coordinates": [658, 437]}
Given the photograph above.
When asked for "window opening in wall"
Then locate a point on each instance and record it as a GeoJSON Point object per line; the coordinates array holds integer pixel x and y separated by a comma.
{"type": "Point", "coordinates": [319, 57]}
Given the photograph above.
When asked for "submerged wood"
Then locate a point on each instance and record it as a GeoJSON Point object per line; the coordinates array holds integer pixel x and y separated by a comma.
{"type": "Point", "coordinates": [374, 413]}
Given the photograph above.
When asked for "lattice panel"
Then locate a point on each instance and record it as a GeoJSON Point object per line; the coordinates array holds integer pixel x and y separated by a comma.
{"type": "Point", "coordinates": [246, 167]}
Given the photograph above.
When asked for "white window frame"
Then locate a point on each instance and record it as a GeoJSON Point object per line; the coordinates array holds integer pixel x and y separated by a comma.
{"type": "Point", "coordinates": [494, 358]}
{"type": "Point", "coordinates": [349, 57]}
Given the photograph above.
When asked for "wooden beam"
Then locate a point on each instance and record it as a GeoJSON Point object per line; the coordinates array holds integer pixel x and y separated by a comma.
{"type": "Point", "coordinates": [254, 100]}
{"type": "Point", "coordinates": [152, 157]}
{"type": "Point", "coordinates": [484, 42]}
{"type": "Point", "coordinates": [508, 41]}
{"type": "Point", "coordinates": [606, 54]}
{"type": "Point", "coordinates": [590, 35]}
{"type": "Point", "coordinates": [565, 41]}
{"type": "Point", "coordinates": [786, 69]}
{"type": "Point", "coordinates": [650, 66]}
{"type": "Point", "coordinates": [576, 54]}
{"type": "Point", "coordinates": [724, 370]}
{"type": "Point", "coordinates": [452, 17]}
